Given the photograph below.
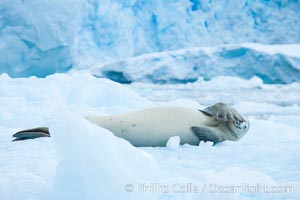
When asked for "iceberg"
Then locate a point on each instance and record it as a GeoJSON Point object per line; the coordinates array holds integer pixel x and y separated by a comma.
{"type": "Point", "coordinates": [271, 63]}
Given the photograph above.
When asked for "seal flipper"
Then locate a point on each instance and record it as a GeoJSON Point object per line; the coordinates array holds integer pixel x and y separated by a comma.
{"type": "Point", "coordinates": [32, 133]}
{"type": "Point", "coordinates": [207, 134]}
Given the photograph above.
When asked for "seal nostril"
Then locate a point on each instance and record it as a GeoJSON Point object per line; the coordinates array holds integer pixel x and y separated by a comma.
{"type": "Point", "coordinates": [244, 125]}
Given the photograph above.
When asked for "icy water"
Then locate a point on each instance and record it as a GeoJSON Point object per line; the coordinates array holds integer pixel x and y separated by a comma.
{"type": "Point", "coordinates": [231, 90]}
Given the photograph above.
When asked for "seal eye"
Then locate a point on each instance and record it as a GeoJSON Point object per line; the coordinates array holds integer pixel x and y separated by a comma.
{"type": "Point", "coordinates": [240, 124]}
{"type": "Point", "coordinates": [237, 124]}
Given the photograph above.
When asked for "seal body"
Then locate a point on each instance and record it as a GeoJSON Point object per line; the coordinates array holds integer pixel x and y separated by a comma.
{"type": "Point", "coordinates": [154, 126]}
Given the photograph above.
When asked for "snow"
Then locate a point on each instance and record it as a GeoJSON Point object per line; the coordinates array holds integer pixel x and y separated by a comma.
{"type": "Point", "coordinates": [173, 142]}
{"type": "Point", "coordinates": [84, 161]}
{"type": "Point", "coordinates": [95, 162]}
{"type": "Point", "coordinates": [43, 37]}
{"type": "Point", "coordinates": [272, 63]}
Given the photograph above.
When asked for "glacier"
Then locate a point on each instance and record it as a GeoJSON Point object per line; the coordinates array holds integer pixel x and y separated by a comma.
{"type": "Point", "coordinates": [41, 37]}
{"type": "Point", "coordinates": [35, 36]}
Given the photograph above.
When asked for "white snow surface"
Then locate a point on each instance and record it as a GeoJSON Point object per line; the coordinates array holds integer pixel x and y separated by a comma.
{"type": "Point", "coordinates": [173, 142]}
{"type": "Point", "coordinates": [84, 161]}
{"type": "Point", "coordinates": [41, 37]}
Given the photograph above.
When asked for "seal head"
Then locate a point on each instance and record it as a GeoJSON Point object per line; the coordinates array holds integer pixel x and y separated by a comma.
{"type": "Point", "coordinates": [234, 124]}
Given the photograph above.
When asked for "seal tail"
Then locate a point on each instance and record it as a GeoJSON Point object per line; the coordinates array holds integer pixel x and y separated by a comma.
{"type": "Point", "coordinates": [32, 133]}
